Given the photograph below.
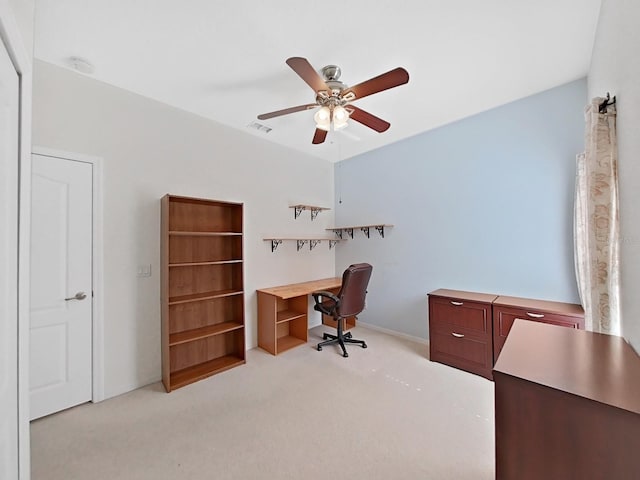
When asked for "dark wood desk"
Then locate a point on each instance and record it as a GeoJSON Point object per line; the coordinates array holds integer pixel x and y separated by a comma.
{"type": "Point", "coordinates": [567, 405]}
{"type": "Point", "coordinates": [283, 313]}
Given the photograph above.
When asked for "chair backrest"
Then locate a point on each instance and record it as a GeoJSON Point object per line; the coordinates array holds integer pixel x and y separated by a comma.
{"type": "Point", "coordinates": [354, 289]}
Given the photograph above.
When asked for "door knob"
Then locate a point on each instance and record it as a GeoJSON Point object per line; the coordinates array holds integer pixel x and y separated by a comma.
{"type": "Point", "coordinates": [77, 296]}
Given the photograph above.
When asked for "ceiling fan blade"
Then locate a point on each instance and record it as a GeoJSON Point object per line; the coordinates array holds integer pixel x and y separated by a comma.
{"type": "Point", "coordinates": [393, 78]}
{"type": "Point", "coordinates": [286, 111]}
{"type": "Point", "coordinates": [367, 119]}
{"type": "Point", "coordinates": [319, 136]}
{"type": "Point", "coordinates": [304, 69]}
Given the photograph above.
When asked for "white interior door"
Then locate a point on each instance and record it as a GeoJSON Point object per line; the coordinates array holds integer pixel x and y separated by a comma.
{"type": "Point", "coordinates": [61, 284]}
{"type": "Point", "coordinates": [9, 118]}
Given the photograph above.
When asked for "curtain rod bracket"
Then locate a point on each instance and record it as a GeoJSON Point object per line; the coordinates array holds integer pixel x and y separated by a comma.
{"type": "Point", "coordinates": [608, 101]}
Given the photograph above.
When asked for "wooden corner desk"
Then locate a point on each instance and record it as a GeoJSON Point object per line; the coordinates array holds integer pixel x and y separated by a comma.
{"type": "Point", "coordinates": [283, 314]}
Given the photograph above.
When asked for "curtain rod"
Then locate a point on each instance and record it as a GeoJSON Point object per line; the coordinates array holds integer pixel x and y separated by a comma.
{"type": "Point", "coordinates": [608, 101]}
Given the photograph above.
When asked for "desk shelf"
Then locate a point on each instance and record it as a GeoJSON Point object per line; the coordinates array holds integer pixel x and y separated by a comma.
{"type": "Point", "coordinates": [288, 315]}
{"type": "Point", "coordinates": [288, 342]}
{"type": "Point", "coordinates": [282, 322]}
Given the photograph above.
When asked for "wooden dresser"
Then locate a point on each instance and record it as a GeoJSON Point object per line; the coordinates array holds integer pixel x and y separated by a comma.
{"type": "Point", "coordinates": [460, 330]}
{"type": "Point", "coordinates": [507, 309]}
{"type": "Point", "coordinates": [567, 405]}
{"type": "Point", "coordinates": [467, 330]}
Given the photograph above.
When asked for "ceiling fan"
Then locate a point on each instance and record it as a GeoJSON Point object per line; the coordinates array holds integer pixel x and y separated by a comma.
{"type": "Point", "coordinates": [334, 97]}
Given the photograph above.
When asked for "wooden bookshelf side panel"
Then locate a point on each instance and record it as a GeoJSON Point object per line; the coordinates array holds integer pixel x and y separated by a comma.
{"type": "Point", "coordinates": [186, 355]}
{"type": "Point", "coordinates": [194, 215]}
{"type": "Point", "coordinates": [164, 291]}
{"type": "Point", "coordinates": [205, 278]}
{"type": "Point", "coordinates": [186, 249]}
{"type": "Point", "coordinates": [189, 316]}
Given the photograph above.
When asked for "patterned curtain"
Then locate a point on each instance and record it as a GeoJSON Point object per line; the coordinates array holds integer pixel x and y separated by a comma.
{"type": "Point", "coordinates": [596, 222]}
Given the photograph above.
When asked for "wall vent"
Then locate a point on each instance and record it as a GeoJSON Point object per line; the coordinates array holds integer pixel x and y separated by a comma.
{"type": "Point", "coordinates": [260, 127]}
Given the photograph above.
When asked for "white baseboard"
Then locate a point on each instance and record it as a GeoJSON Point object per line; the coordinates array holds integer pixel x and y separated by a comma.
{"type": "Point", "coordinates": [423, 341]}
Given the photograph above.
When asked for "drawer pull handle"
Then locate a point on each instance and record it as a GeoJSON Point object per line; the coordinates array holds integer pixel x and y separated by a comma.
{"type": "Point", "coordinates": [457, 335]}
{"type": "Point", "coordinates": [535, 315]}
{"type": "Point", "coordinates": [457, 304]}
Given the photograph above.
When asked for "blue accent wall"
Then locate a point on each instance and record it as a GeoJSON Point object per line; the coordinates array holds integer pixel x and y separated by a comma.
{"type": "Point", "coordinates": [484, 204]}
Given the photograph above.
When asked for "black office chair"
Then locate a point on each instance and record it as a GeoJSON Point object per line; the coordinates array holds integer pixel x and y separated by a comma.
{"type": "Point", "coordinates": [348, 302]}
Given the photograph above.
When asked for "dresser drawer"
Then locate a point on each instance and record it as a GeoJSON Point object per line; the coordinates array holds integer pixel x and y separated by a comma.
{"type": "Point", "coordinates": [471, 353]}
{"type": "Point", "coordinates": [460, 331]}
{"type": "Point", "coordinates": [504, 316]}
{"type": "Point", "coordinates": [468, 317]}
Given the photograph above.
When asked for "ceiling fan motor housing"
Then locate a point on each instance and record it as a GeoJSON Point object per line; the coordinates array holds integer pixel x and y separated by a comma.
{"type": "Point", "coordinates": [331, 74]}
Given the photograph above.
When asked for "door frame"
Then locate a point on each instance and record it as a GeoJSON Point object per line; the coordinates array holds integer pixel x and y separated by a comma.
{"type": "Point", "coordinates": [97, 253]}
{"type": "Point", "coordinates": [12, 37]}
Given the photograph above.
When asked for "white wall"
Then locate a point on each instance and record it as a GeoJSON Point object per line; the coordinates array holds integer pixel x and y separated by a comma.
{"type": "Point", "coordinates": [150, 149]}
{"type": "Point", "coordinates": [484, 204]}
{"type": "Point", "coordinates": [24, 13]}
{"type": "Point", "coordinates": [9, 168]}
{"type": "Point", "coordinates": [615, 68]}
{"type": "Point", "coordinates": [16, 30]}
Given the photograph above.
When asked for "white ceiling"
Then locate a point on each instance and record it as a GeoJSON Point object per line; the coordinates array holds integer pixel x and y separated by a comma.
{"type": "Point", "coordinates": [225, 60]}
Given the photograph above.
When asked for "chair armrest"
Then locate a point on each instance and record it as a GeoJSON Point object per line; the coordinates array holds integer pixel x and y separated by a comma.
{"type": "Point", "coordinates": [320, 305]}
{"type": "Point", "coordinates": [322, 293]}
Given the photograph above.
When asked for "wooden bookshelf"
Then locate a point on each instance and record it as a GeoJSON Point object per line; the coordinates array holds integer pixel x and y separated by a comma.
{"type": "Point", "coordinates": [203, 329]}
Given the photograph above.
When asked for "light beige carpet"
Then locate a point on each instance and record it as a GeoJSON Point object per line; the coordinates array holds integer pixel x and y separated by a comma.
{"type": "Point", "coordinates": [386, 412]}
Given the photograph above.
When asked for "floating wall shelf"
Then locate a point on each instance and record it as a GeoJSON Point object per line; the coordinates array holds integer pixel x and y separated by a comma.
{"type": "Point", "coordinates": [298, 209]}
{"type": "Point", "coordinates": [301, 242]}
{"type": "Point", "coordinates": [341, 231]}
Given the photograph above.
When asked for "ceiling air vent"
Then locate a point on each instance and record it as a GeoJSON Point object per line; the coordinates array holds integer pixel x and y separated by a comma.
{"type": "Point", "coordinates": [260, 127]}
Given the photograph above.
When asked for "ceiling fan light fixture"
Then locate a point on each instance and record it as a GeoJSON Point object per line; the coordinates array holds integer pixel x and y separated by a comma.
{"type": "Point", "coordinates": [323, 119]}
{"type": "Point", "coordinates": [340, 117]}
